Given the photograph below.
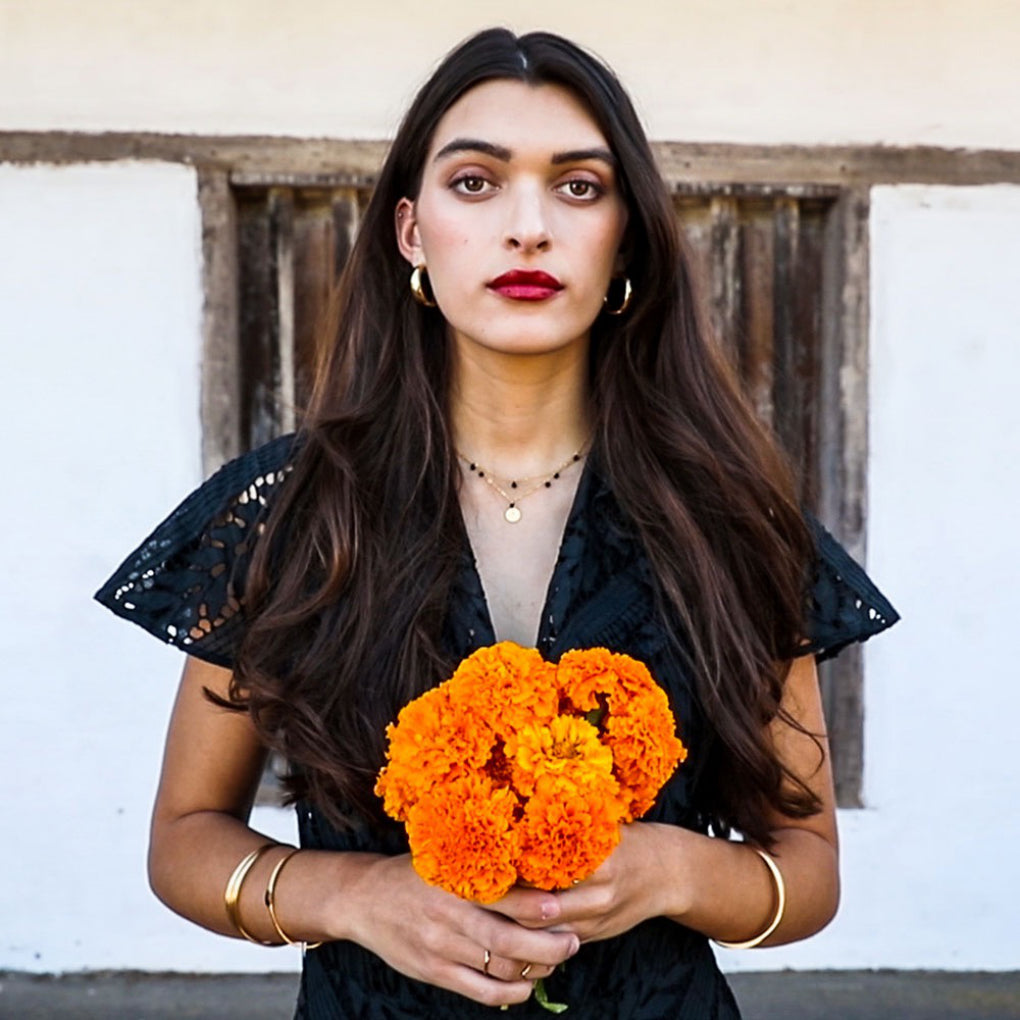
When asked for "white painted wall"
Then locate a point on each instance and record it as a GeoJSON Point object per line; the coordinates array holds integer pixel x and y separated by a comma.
{"type": "Point", "coordinates": [100, 305]}
{"type": "Point", "coordinates": [100, 298]}
{"type": "Point", "coordinates": [945, 501]}
{"type": "Point", "coordinates": [930, 870]}
{"type": "Point", "coordinates": [942, 72]}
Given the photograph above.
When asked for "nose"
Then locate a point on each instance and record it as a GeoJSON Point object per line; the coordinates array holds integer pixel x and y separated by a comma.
{"type": "Point", "coordinates": [527, 227]}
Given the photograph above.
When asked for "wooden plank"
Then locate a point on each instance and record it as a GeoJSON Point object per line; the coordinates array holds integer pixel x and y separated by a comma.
{"type": "Point", "coordinates": [842, 461]}
{"type": "Point", "coordinates": [694, 219]}
{"type": "Point", "coordinates": [757, 268]}
{"type": "Point", "coordinates": [725, 294]}
{"type": "Point", "coordinates": [786, 394]}
{"type": "Point", "coordinates": [314, 272]}
{"type": "Point", "coordinates": [808, 331]}
{"type": "Point", "coordinates": [258, 320]}
{"type": "Point", "coordinates": [221, 370]}
{"type": "Point", "coordinates": [797, 310]}
{"type": "Point", "coordinates": [348, 206]}
{"type": "Point", "coordinates": [744, 191]}
{"type": "Point", "coordinates": [704, 165]}
{"type": "Point", "coordinates": [844, 376]}
{"type": "Point", "coordinates": [842, 684]}
{"type": "Point", "coordinates": [281, 250]}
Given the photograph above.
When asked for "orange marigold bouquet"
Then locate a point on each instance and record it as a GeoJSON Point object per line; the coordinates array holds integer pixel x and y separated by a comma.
{"type": "Point", "coordinates": [519, 770]}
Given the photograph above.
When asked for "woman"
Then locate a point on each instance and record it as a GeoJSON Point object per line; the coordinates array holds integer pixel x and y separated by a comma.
{"type": "Point", "coordinates": [532, 441]}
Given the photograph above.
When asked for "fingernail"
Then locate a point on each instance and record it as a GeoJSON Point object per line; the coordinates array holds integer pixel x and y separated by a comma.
{"type": "Point", "coordinates": [550, 909]}
{"type": "Point", "coordinates": [575, 945]}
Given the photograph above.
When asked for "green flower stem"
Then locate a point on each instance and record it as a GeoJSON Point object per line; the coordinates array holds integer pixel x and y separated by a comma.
{"type": "Point", "coordinates": [542, 998]}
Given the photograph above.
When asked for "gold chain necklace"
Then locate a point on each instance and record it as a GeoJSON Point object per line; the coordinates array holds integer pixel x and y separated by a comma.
{"type": "Point", "coordinates": [519, 488]}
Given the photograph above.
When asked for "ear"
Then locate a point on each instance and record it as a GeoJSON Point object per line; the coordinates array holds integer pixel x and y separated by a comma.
{"type": "Point", "coordinates": [408, 239]}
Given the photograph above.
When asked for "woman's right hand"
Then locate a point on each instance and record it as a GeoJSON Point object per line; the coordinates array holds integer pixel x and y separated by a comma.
{"type": "Point", "coordinates": [211, 768]}
{"type": "Point", "coordinates": [431, 935]}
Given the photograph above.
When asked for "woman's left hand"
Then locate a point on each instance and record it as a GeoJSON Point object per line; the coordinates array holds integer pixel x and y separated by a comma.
{"type": "Point", "coordinates": [717, 886]}
{"type": "Point", "coordinates": [627, 888]}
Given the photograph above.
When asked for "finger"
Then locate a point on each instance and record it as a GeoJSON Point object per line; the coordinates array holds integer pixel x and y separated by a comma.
{"type": "Point", "coordinates": [504, 969]}
{"type": "Point", "coordinates": [469, 979]}
{"type": "Point", "coordinates": [491, 991]}
{"type": "Point", "coordinates": [533, 908]}
{"type": "Point", "coordinates": [520, 945]}
{"type": "Point", "coordinates": [491, 979]}
{"type": "Point", "coordinates": [588, 899]}
{"type": "Point", "coordinates": [534, 971]}
{"type": "Point", "coordinates": [503, 954]}
{"type": "Point", "coordinates": [586, 910]}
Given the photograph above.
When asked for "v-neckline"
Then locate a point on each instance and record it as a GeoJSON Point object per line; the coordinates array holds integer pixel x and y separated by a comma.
{"type": "Point", "coordinates": [476, 589]}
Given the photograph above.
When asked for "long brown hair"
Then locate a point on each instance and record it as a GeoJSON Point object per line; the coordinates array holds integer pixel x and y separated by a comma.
{"type": "Point", "coordinates": [349, 585]}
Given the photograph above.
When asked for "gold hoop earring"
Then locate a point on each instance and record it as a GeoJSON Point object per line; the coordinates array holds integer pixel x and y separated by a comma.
{"type": "Point", "coordinates": [419, 280]}
{"type": "Point", "coordinates": [627, 293]}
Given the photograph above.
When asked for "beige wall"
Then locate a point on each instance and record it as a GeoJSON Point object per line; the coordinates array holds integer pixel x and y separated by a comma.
{"type": "Point", "coordinates": [941, 72]}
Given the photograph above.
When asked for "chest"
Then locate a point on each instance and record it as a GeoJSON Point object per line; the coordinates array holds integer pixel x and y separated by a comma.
{"type": "Point", "coordinates": [515, 560]}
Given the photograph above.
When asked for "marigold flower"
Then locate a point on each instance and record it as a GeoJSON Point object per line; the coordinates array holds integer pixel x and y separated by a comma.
{"type": "Point", "coordinates": [462, 838]}
{"type": "Point", "coordinates": [432, 743]}
{"type": "Point", "coordinates": [635, 719]}
{"type": "Point", "coordinates": [646, 752]}
{"type": "Point", "coordinates": [568, 746]}
{"type": "Point", "coordinates": [518, 770]}
{"type": "Point", "coordinates": [506, 685]}
{"type": "Point", "coordinates": [592, 677]}
{"type": "Point", "coordinates": [564, 834]}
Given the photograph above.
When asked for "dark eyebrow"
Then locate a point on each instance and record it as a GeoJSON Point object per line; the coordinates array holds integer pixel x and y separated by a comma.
{"type": "Point", "coordinates": [504, 155]}
{"type": "Point", "coordinates": [580, 155]}
{"type": "Point", "coordinates": [475, 145]}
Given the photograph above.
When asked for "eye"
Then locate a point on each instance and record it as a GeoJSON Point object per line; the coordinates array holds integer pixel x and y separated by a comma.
{"type": "Point", "coordinates": [582, 188]}
{"type": "Point", "coordinates": [471, 184]}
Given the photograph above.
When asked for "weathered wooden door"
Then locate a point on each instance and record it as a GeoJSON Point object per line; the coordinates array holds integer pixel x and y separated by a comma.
{"type": "Point", "coordinates": [768, 262]}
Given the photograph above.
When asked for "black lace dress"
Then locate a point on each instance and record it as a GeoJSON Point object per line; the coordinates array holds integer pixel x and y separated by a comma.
{"type": "Point", "coordinates": [185, 584]}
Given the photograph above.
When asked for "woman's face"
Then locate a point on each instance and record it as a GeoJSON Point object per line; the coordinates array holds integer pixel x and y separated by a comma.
{"type": "Point", "coordinates": [519, 219]}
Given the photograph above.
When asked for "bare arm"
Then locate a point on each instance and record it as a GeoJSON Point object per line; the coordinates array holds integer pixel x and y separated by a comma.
{"type": "Point", "coordinates": [718, 887]}
{"type": "Point", "coordinates": [211, 770]}
{"type": "Point", "coordinates": [733, 897]}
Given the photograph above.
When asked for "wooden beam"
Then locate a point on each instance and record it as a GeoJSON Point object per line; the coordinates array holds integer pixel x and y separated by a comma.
{"type": "Point", "coordinates": [254, 158]}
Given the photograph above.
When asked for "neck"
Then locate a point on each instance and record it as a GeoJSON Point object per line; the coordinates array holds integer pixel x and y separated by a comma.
{"type": "Point", "coordinates": [520, 415]}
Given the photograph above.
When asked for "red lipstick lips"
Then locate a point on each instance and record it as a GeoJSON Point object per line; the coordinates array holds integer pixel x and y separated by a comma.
{"type": "Point", "coordinates": [526, 285]}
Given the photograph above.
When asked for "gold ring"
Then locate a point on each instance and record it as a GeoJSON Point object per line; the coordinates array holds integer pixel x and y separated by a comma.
{"type": "Point", "coordinates": [485, 965]}
{"type": "Point", "coordinates": [526, 969]}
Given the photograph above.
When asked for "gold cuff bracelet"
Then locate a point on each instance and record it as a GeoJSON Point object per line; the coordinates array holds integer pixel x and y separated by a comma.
{"type": "Point", "coordinates": [777, 878]}
{"type": "Point", "coordinates": [270, 901]}
{"type": "Point", "coordinates": [232, 894]}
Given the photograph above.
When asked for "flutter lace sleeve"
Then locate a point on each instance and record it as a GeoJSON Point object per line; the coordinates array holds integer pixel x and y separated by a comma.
{"type": "Point", "coordinates": [844, 605]}
{"type": "Point", "coordinates": [185, 582]}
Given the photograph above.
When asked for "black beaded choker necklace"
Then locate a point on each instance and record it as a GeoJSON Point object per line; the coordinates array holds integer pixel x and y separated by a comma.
{"type": "Point", "coordinates": [512, 513]}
